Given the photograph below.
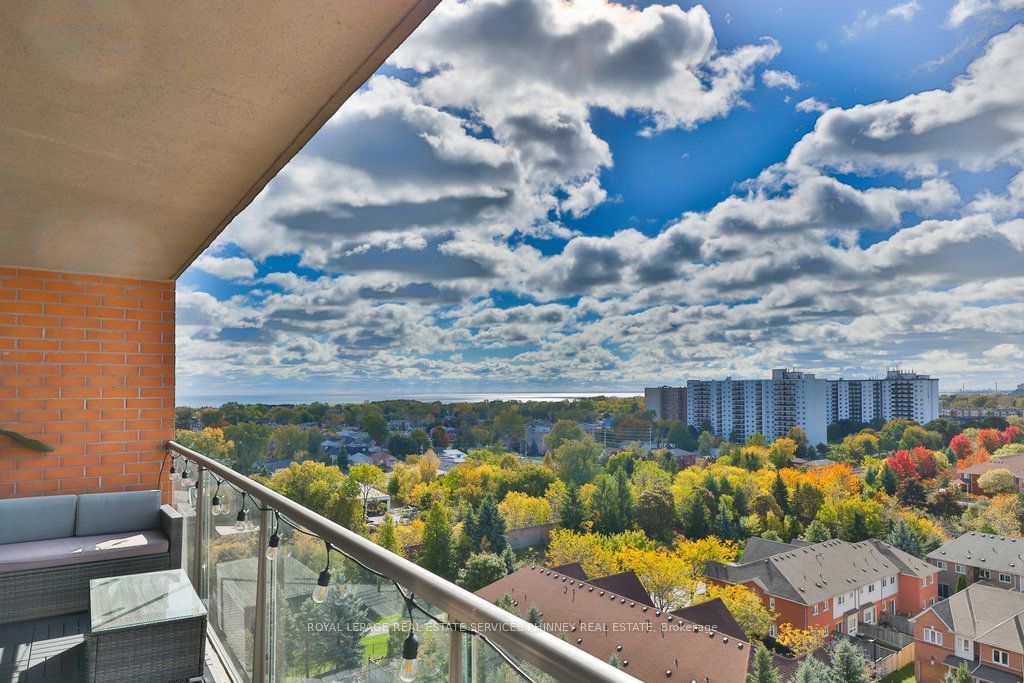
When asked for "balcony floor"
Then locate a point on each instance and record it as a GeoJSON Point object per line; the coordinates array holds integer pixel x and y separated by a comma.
{"type": "Point", "coordinates": [53, 651]}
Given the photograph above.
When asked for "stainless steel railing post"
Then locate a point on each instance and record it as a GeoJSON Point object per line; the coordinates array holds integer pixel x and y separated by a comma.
{"type": "Point", "coordinates": [259, 647]}
{"type": "Point", "coordinates": [199, 532]}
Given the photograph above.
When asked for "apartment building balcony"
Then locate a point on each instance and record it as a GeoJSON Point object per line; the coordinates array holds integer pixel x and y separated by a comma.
{"type": "Point", "coordinates": [131, 134]}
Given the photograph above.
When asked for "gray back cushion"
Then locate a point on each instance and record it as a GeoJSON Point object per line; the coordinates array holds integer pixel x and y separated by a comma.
{"type": "Point", "coordinates": [37, 519]}
{"type": "Point", "coordinates": [113, 513]}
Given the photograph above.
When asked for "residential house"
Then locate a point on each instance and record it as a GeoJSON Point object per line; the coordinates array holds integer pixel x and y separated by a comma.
{"type": "Point", "coordinates": [359, 458]}
{"type": "Point", "coordinates": [834, 585]}
{"type": "Point", "coordinates": [535, 433]}
{"type": "Point", "coordinates": [612, 617]}
{"type": "Point", "coordinates": [982, 626]}
{"type": "Point", "coordinates": [969, 476]}
{"type": "Point", "coordinates": [683, 458]}
{"type": "Point", "coordinates": [980, 557]}
{"type": "Point", "coordinates": [449, 458]}
{"type": "Point", "coordinates": [383, 460]}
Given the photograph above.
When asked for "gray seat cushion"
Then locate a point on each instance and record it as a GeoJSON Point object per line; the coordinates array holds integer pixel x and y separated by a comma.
{"type": "Point", "coordinates": [37, 519]}
{"type": "Point", "coordinates": [113, 513]}
{"type": "Point", "coordinates": [58, 552]}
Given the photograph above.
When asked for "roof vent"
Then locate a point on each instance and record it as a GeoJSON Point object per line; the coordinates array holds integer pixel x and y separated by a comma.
{"type": "Point", "coordinates": [632, 604]}
{"type": "Point", "coordinates": [625, 662]}
{"type": "Point", "coordinates": [725, 639]}
{"type": "Point", "coordinates": [601, 593]}
{"type": "Point", "coordinates": [739, 646]}
{"type": "Point", "coordinates": [618, 648]}
{"type": "Point", "coordinates": [668, 673]}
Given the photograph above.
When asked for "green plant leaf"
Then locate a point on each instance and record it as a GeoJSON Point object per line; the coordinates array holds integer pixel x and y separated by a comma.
{"type": "Point", "coordinates": [25, 441]}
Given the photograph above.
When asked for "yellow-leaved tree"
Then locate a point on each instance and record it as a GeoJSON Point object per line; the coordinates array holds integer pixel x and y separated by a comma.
{"type": "Point", "coordinates": [521, 510]}
{"type": "Point", "coordinates": [800, 640]}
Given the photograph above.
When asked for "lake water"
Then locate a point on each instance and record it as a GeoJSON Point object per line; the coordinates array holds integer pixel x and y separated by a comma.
{"type": "Point", "coordinates": [199, 401]}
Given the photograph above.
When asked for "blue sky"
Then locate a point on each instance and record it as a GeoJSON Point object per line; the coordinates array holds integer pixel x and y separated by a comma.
{"type": "Point", "coordinates": [534, 195]}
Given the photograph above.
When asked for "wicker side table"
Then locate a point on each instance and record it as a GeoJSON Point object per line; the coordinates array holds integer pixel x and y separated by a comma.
{"type": "Point", "coordinates": [145, 627]}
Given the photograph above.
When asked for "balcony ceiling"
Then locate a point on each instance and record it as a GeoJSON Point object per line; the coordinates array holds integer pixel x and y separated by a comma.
{"type": "Point", "coordinates": [131, 133]}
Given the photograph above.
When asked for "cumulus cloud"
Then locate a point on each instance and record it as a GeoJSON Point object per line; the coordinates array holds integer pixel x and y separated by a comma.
{"type": "Point", "coordinates": [964, 10]}
{"type": "Point", "coordinates": [227, 268]}
{"type": "Point", "coordinates": [811, 104]}
{"type": "Point", "coordinates": [976, 123]}
{"type": "Point", "coordinates": [780, 79]}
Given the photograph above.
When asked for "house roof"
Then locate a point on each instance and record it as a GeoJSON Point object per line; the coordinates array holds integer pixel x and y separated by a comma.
{"type": "Point", "coordinates": [605, 624]}
{"type": "Point", "coordinates": [624, 584]}
{"type": "Point", "coordinates": [816, 572]}
{"type": "Point", "coordinates": [982, 612]}
{"type": "Point", "coordinates": [758, 548]}
{"type": "Point", "coordinates": [975, 549]}
{"type": "Point", "coordinates": [715, 614]}
{"type": "Point", "coordinates": [1014, 463]}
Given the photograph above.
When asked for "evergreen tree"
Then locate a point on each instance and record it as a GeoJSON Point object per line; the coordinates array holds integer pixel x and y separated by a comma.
{"type": "Point", "coordinates": [816, 532]}
{"type": "Point", "coordinates": [711, 484]}
{"type": "Point", "coordinates": [724, 487]}
{"type": "Point", "coordinates": [491, 526]}
{"type": "Point", "coordinates": [695, 519]}
{"type": "Point", "coordinates": [573, 511]}
{"type": "Point", "coordinates": [471, 529]}
{"type": "Point", "coordinates": [740, 502]}
{"type": "Point", "coordinates": [438, 553]}
{"type": "Point", "coordinates": [506, 603]}
{"type": "Point", "coordinates": [960, 675]}
{"type": "Point", "coordinates": [1019, 510]}
{"type": "Point", "coordinates": [961, 583]}
{"type": "Point", "coordinates": [614, 661]}
{"type": "Point", "coordinates": [780, 493]}
{"type": "Point", "coordinates": [870, 476]}
{"type": "Point", "coordinates": [856, 529]}
{"type": "Point", "coordinates": [534, 616]}
{"type": "Point", "coordinates": [812, 670]}
{"type": "Point", "coordinates": [509, 558]}
{"type": "Point", "coordinates": [656, 513]}
{"type": "Point", "coordinates": [903, 538]}
{"type": "Point", "coordinates": [849, 665]}
{"type": "Point", "coordinates": [725, 528]}
{"type": "Point", "coordinates": [791, 528]}
{"type": "Point", "coordinates": [889, 480]}
{"type": "Point", "coordinates": [763, 671]}
{"type": "Point", "coordinates": [482, 569]}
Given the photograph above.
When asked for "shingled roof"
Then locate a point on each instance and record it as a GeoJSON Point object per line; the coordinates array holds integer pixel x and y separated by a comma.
{"type": "Point", "coordinates": [975, 549]}
{"type": "Point", "coordinates": [651, 645]}
{"type": "Point", "coordinates": [1014, 463]}
{"type": "Point", "coordinates": [982, 612]}
{"type": "Point", "coordinates": [813, 573]}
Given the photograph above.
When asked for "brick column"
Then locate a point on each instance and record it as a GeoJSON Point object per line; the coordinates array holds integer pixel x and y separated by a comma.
{"type": "Point", "coordinates": [87, 366]}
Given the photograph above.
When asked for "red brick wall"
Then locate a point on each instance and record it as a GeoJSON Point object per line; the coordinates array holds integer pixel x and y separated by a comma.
{"type": "Point", "coordinates": [925, 652]}
{"type": "Point", "coordinates": [87, 366]}
{"type": "Point", "coordinates": [915, 596]}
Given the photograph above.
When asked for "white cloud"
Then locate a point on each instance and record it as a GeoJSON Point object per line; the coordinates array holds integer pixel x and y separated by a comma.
{"type": "Point", "coordinates": [967, 9]}
{"type": "Point", "coordinates": [780, 79]}
{"type": "Point", "coordinates": [866, 21]}
{"type": "Point", "coordinates": [811, 104]}
{"type": "Point", "coordinates": [975, 124]}
{"type": "Point", "coordinates": [227, 268]}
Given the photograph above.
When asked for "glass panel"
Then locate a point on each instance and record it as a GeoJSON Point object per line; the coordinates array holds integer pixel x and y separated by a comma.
{"type": "Point", "coordinates": [120, 602]}
{"type": "Point", "coordinates": [230, 576]}
{"type": "Point", "coordinates": [490, 667]}
{"type": "Point", "coordinates": [356, 633]}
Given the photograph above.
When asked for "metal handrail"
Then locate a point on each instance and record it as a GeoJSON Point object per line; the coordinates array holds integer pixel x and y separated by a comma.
{"type": "Point", "coordinates": [516, 636]}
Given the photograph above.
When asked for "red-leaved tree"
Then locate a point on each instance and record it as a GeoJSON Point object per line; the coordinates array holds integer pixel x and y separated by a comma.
{"type": "Point", "coordinates": [991, 440]}
{"type": "Point", "coordinates": [962, 446]}
{"type": "Point", "coordinates": [1013, 434]}
{"type": "Point", "coordinates": [925, 460]}
{"type": "Point", "coordinates": [902, 465]}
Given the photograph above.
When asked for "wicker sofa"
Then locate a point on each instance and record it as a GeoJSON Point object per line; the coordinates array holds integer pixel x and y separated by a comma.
{"type": "Point", "coordinates": [51, 546]}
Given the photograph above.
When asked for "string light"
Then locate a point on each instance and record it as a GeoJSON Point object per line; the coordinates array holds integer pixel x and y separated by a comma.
{"type": "Point", "coordinates": [274, 544]}
{"type": "Point", "coordinates": [216, 508]}
{"type": "Point", "coordinates": [320, 592]}
{"type": "Point", "coordinates": [410, 648]}
{"type": "Point", "coordinates": [174, 471]}
{"type": "Point", "coordinates": [184, 480]}
{"type": "Point", "coordinates": [242, 522]}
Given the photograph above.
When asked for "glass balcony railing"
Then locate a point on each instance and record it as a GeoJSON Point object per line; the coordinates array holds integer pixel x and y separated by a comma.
{"type": "Point", "coordinates": [270, 628]}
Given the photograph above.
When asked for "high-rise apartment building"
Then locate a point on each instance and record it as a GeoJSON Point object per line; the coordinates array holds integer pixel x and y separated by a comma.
{"type": "Point", "coordinates": [738, 409]}
{"type": "Point", "coordinates": [667, 403]}
{"type": "Point", "coordinates": [900, 394]}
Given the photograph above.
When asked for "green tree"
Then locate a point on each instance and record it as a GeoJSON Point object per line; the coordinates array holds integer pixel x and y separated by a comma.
{"type": "Point", "coordinates": [705, 442]}
{"type": "Point", "coordinates": [625, 500]}
{"type": "Point", "coordinates": [855, 529]}
{"type": "Point", "coordinates": [438, 553]}
{"type": "Point", "coordinates": [386, 537]}
{"type": "Point", "coordinates": [605, 507]}
{"type": "Point", "coordinates": [577, 460]}
{"type": "Point", "coordinates": [655, 513]}
{"type": "Point", "coordinates": [421, 439]}
{"type": "Point", "coordinates": [849, 665]}
{"type": "Point", "coordinates": [903, 538]}
{"type": "Point", "coordinates": [889, 480]}
{"type": "Point", "coordinates": [695, 519]}
{"type": "Point", "coordinates": [780, 493]}
{"type": "Point", "coordinates": [509, 558]}
{"type": "Point", "coordinates": [725, 526]}
{"type": "Point", "coordinates": [961, 583]}
{"type": "Point", "coordinates": [481, 569]}
{"type": "Point", "coordinates": [762, 671]}
{"type": "Point", "coordinates": [251, 442]}
{"type": "Point", "coordinates": [807, 500]}
{"type": "Point", "coordinates": [490, 526]}
{"type": "Point", "coordinates": [803, 444]}
{"type": "Point", "coordinates": [562, 432]}
{"type": "Point", "coordinates": [288, 440]}
{"type": "Point", "coordinates": [680, 436]}
{"type": "Point", "coordinates": [816, 532]}
{"type": "Point", "coordinates": [812, 670]}
{"type": "Point", "coordinates": [573, 511]}
{"type": "Point", "coordinates": [740, 502]}
{"type": "Point", "coordinates": [402, 446]}
{"type": "Point", "coordinates": [534, 616]}
{"type": "Point", "coordinates": [210, 442]}
{"type": "Point", "coordinates": [211, 418]}
{"type": "Point", "coordinates": [369, 477]}
{"type": "Point", "coordinates": [314, 440]}
{"type": "Point", "coordinates": [376, 426]}
{"type": "Point", "coordinates": [183, 417]}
